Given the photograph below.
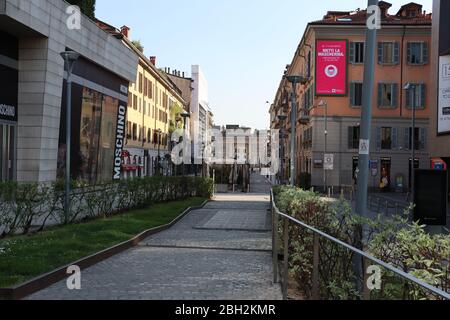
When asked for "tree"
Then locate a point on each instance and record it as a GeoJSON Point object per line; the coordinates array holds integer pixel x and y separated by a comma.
{"type": "Point", "coordinates": [175, 118]}
{"type": "Point", "coordinates": [138, 45]}
{"type": "Point", "coordinates": [86, 6]}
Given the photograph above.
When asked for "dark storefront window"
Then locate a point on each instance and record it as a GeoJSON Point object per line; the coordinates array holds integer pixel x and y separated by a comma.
{"type": "Point", "coordinates": [107, 138]}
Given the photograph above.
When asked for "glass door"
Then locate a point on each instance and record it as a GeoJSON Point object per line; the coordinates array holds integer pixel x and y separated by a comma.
{"type": "Point", "coordinates": [7, 152]}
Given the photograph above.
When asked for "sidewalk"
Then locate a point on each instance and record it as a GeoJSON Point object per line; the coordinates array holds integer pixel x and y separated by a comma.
{"type": "Point", "coordinates": [222, 251]}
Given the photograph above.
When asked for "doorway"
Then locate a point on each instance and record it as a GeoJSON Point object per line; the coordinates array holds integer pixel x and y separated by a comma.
{"type": "Point", "coordinates": [385, 180]}
{"type": "Point", "coordinates": [7, 152]}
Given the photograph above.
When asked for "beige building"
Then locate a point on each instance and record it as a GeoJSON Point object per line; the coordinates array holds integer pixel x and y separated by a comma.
{"type": "Point", "coordinates": [152, 99]}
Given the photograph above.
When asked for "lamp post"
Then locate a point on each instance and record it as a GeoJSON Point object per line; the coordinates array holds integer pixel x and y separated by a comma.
{"type": "Point", "coordinates": [159, 149]}
{"type": "Point", "coordinates": [324, 104]}
{"type": "Point", "coordinates": [412, 88]}
{"type": "Point", "coordinates": [294, 80]}
{"type": "Point", "coordinates": [282, 118]}
{"type": "Point", "coordinates": [70, 57]}
{"type": "Point", "coordinates": [184, 115]}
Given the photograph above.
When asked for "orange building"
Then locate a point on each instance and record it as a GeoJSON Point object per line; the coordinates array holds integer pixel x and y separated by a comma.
{"type": "Point", "coordinates": [403, 51]}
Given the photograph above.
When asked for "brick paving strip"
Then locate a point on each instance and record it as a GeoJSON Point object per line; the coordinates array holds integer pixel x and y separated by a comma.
{"type": "Point", "coordinates": [205, 256]}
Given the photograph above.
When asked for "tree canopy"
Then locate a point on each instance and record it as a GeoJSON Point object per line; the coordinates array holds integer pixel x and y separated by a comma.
{"type": "Point", "coordinates": [86, 6]}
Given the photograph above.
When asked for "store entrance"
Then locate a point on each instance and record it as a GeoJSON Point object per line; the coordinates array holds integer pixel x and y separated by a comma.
{"type": "Point", "coordinates": [385, 181]}
{"type": "Point", "coordinates": [7, 152]}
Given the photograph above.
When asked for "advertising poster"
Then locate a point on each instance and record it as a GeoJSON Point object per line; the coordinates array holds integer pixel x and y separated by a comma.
{"type": "Point", "coordinates": [331, 67]}
{"type": "Point", "coordinates": [444, 95]}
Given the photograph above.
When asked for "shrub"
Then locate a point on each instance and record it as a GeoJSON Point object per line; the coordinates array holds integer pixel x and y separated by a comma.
{"type": "Point", "coordinates": [406, 246]}
{"type": "Point", "coordinates": [24, 206]}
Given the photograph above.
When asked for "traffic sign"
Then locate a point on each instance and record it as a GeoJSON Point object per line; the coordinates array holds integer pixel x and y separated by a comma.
{"type": "Point", "coordinates": [329, 162]}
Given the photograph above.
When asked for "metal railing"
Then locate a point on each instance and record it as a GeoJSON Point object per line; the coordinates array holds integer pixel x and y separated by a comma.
{"type": "Point", "coordinates": [317, 235]}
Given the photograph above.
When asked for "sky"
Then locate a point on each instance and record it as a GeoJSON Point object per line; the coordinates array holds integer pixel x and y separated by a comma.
{"type": "Point", "coordinates": [242, 46]}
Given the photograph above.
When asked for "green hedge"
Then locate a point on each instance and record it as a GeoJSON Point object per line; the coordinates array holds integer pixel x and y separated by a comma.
{"type": "Point", "coordinates": [30, 207]}
{"type": "Point", "coordinates": [405, 246]}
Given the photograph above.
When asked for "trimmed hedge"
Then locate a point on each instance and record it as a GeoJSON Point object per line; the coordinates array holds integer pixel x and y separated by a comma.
{"type": "Point", "coordinates": [30, 207]}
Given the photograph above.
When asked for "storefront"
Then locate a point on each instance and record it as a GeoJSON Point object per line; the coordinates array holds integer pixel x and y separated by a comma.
{"type": "Point", "coordinates": [99, 103]}
{"type": "Point", "coordinates": [8, 106]}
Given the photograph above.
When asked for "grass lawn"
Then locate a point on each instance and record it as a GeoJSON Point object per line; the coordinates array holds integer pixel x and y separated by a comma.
{"type": "Point", "coordinates": [25, 257]}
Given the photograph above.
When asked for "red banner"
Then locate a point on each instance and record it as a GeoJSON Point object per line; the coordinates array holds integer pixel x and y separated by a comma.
{"type": "Point", "coordinates": [331, 67]}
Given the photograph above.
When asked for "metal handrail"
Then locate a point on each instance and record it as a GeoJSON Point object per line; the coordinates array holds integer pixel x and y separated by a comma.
{"type": "Point", "coordinates": [377, 261]}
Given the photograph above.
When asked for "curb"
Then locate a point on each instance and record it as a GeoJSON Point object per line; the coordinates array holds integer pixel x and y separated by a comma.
{"type": "Point", "coordinates": [43, 281]}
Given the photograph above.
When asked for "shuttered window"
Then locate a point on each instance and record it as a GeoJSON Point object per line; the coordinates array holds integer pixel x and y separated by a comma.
{"type": "Point", "coordinates": [417, 53]}
{"type": "Point", "coordinates": [357, 52]}
{"type": "Point", "coordinates": [387, 95]}
{"type": "Point", "coordinates": [356, 94]}
{"type": "Point", "coordinates": [388, 53]}
{"type": "Point", "coordinates": [416, 96]}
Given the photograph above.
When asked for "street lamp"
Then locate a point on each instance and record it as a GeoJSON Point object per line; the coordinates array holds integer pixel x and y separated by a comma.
{"type": "Point", "coordinates": [70, 57]}
{"type": "Point", "coordinates": [184, 115]}
{"type": "Point", "coordinates": [412, 88]}
{"type": "Point", "coordinates": [294, 80]}
{"type": "Point", "coordinates": [324, 104]}
{"type": "Point", "coordinates": [158, 132]}
{"type": "Point", "coordinates": [282, 118]}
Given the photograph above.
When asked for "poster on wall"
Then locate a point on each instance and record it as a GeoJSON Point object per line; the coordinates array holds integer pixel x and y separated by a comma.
{"type": "Point", "coordinates": [331, 67]}
{"type": "Point", "coordinates": [444, 95]}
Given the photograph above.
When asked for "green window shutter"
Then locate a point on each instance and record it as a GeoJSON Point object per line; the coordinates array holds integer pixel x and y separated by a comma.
{"type": "Point", "coordinates": [352, 94]}
{"type": "Point", "coordinates": [380, 94]}
{"type": "Point", "coordinates": [394, 95]}
{"type": "Point", "coordinates": [380, 52]}
{"type": "Point", "coordinates": [408, 95]}
{"type": "Point", "coordinates": [378, 138]}
{"type": "Point", "coordinates": [396, 53]}
{"type": "Point", "coordinates": [422, 95]}
{"type": "Point", "coordinates": [394, 138]}
{"type": "Point", "coordinates": [407, 138]}
{"type": "Point", "coordinates": [425, 53]}
{"type": "Point", "coordinates": [408, 54]}
{"type": "Point", "coordinates": [352, 52]}
{"type": "Point", "coordinates": [350, 138]}
{"type": "Point", "coordinates": [423, 139]}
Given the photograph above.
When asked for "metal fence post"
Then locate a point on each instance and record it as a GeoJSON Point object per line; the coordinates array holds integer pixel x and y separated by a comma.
{"type": "Point", "coordinates": [275, 245]}
{"type": "Point", "coordinates": [366, 291]}
{"type": "Point", "coordinates": [315, 276]}
{"type": "Point", "coordinates": [286, 258]}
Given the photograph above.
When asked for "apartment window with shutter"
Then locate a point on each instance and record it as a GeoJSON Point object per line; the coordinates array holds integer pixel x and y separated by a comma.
{"type": "Point", "coordinates": [416, 96]}
{"type": "Point", "coordinates": [386, 138]}
{"type": "Point", "coordinates": [387, 95]}
{"type": "Point", "coordinates": [135, 102]}
{"type": "Point", "coordinates": [356, 89]}
{"type": "Point", "coordinates": [353, 137]}
{"type": "Point", "coordinates": [417, 53]}
{"type": "Point", "coordinates": [388, 52]}
{"type": "Point", "coordinates": [145, 87]}
{"type": "Point", "coordinates": [140, 82]}
{"type": "Point", "coordinates": [357, 52]}
{"type": "Point", "coordinates": [135, 131]}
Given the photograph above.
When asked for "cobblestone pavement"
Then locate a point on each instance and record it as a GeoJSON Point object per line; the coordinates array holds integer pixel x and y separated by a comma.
{"type": "Point", "coordinates": [206, 256]}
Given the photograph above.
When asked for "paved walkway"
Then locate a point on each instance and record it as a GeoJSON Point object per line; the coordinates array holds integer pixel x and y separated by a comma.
{"type": "Point", "coordinates": [219, 252]}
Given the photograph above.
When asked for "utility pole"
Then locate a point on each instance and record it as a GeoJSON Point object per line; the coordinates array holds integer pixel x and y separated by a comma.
{"type": "Point", "coordinates": [294, 80]}
{"type": "Point", "coordinates": [364, 144]}
{"type": "Point", "coordinates": [411, 91]}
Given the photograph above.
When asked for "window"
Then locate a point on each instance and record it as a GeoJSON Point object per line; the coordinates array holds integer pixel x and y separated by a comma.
{"type": "Point", "coordinates": [417, 53]}
{"type": "Point", "coordinates": [386, 138]}
{"type": "Point", "coordinates": [308, 67]}
{"type": "Point", "coordinates": [140, 82]}
{"type": "Point", "coordinates": [135, 102]}
{"type": "Point", "coordinates": [356, 94]}
{"type": "Point", "coordinates": [135, 131]}
{"type": "Point", "coordinates": [387, 95]}
{"type": "Point", "coordinates": [416, 96]}
{"type": "Point", "coordinates": [388, 52]}
{"type": "Point", "coordinates": [353, 137]}
{"type": "Point", "coordinates": [145, 87]}
{"type": "Point", "coordinates": [357, 52]}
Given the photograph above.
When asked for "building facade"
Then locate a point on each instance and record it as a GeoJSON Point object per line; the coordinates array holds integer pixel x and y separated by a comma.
{"type": "Point", "coordinates": [32, 103]}
{"type": "Point", "coordinates": [403, 56]}
{"type": "Point", "coordinates": [195, 90]}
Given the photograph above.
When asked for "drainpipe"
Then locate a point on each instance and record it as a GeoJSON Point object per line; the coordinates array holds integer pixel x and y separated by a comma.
{"type": "Point", "coordinates": [402, 58]}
